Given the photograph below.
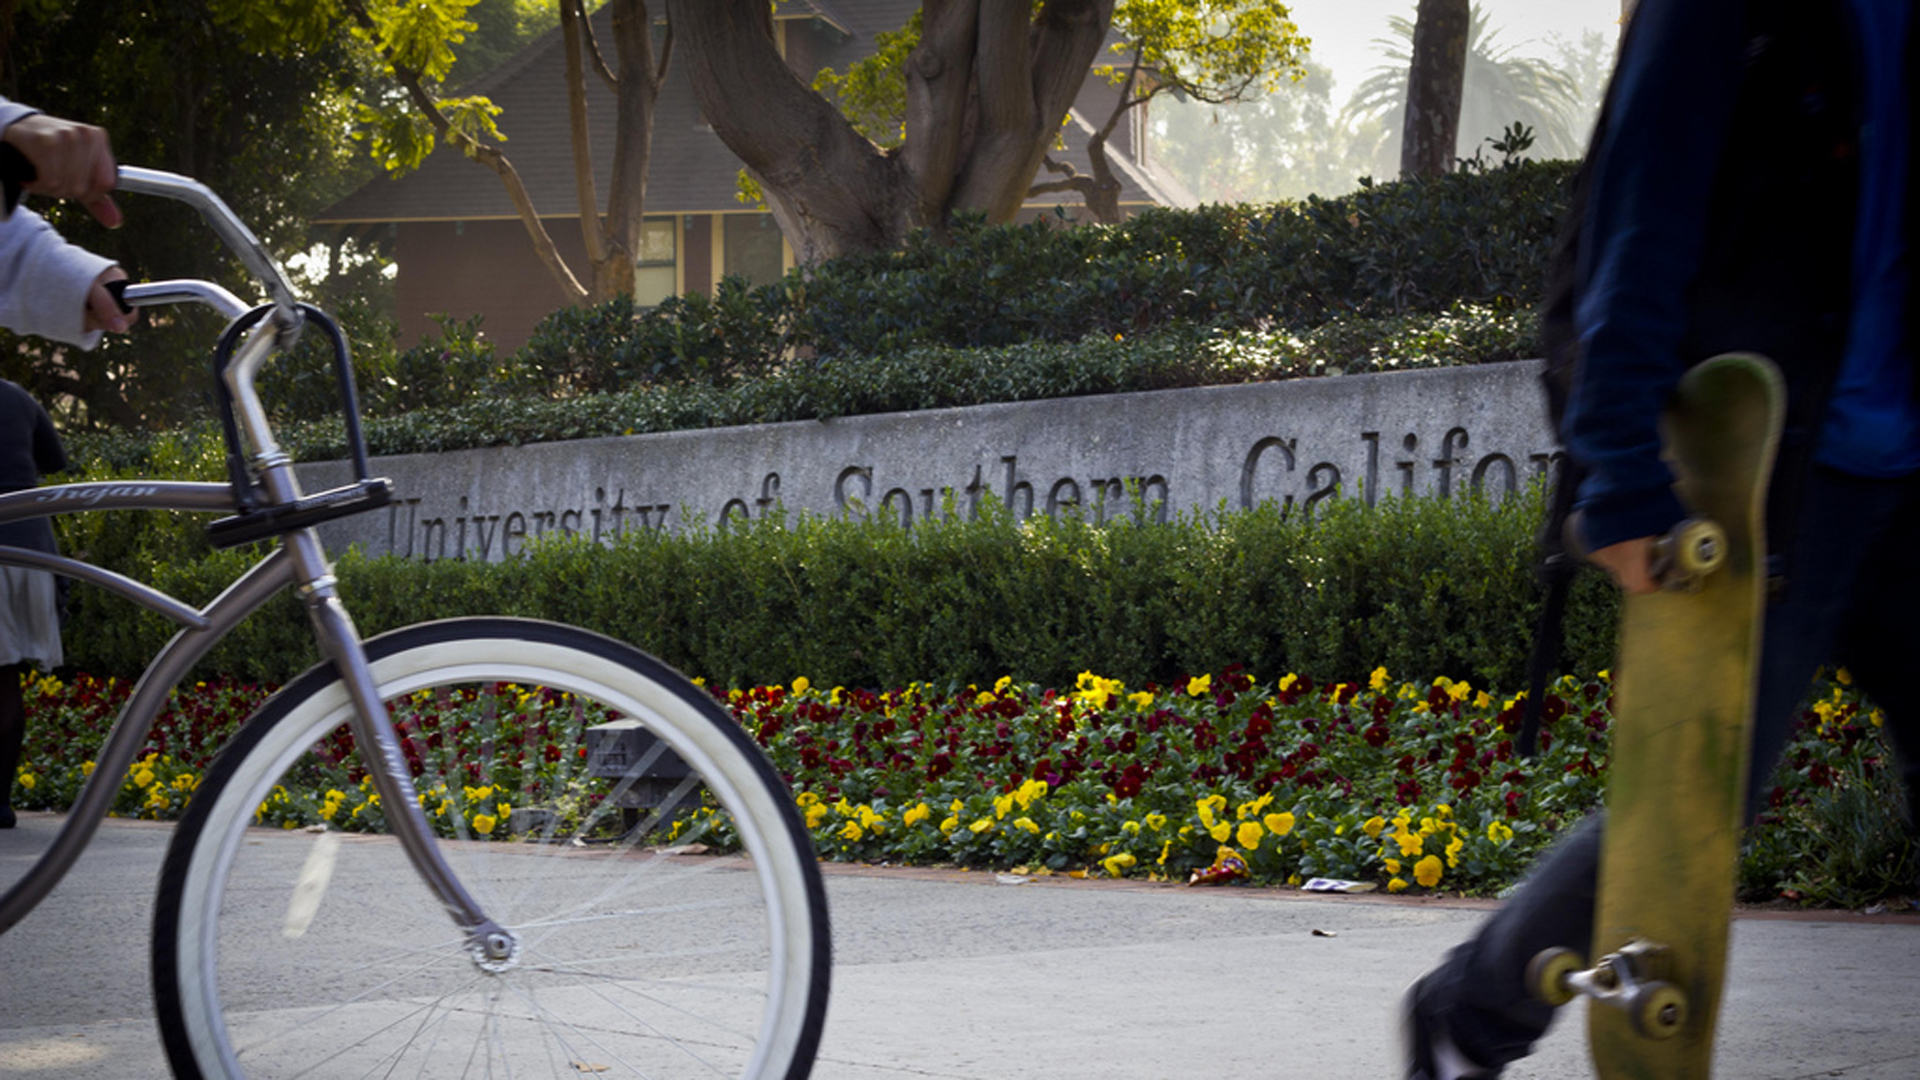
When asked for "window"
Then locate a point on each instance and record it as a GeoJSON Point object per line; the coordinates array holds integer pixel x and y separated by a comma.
{"type": "Point", "coordinates": [753, 248]}
{"type": "Point", "coordinates": [654, 276]}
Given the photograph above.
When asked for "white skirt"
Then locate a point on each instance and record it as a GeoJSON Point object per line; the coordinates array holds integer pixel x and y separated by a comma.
{"type": "Point", "coordinates": [29, 618]}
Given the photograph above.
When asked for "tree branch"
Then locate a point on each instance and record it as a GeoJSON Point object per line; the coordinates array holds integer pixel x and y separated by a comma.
{"type": "Point", "coordinates": [486, 155]}
{"type": "Point", "coordinates": [835, 190]}
{"type": "Point", "coordinates": [600, 67]}
{"type": "Point", "coordinates": [574, 41]}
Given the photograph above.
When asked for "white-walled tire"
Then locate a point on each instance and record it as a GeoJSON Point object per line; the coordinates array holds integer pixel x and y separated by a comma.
{"type": "Point", "coordinates": [643, 951]}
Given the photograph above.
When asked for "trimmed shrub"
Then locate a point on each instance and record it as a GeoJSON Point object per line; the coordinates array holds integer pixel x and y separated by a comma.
{"type": "Point", "coordinates": [1426, 586]}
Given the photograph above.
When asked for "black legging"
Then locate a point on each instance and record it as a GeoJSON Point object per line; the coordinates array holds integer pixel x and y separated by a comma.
{"type": "Point", "coordinates": [13, 728]}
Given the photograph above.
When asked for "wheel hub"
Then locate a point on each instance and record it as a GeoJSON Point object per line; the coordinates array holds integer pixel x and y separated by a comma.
{"type": "Point", "coordinates": [495, 950]}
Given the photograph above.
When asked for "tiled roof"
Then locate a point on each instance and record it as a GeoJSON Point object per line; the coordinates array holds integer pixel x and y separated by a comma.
{"type": "Point", "coordinates": [691, 171]}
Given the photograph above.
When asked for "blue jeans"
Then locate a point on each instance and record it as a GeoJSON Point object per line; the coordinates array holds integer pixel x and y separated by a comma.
{"type": "Point", "coordinates": [1852, 598]}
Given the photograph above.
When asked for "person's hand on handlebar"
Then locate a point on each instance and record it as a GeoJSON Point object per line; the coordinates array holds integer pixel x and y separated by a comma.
{"type": "Point", "coordinates": [72, 161]}
{"type": "Point", "coordinates": [103, 308]}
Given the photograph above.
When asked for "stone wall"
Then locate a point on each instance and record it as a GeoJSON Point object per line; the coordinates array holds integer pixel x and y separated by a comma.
{"type": "Point", "coordinates": [1148, 455]}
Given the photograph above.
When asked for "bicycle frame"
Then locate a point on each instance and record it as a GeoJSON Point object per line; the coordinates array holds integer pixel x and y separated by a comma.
{"type": "Point", "coordinates": [266, 484]}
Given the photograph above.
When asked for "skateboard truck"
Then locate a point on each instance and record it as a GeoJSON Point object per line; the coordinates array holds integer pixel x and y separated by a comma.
{"type": "Point", "coordinates": [1687, 553]}
{"type": "Point", "coordinates": [1632, 980]}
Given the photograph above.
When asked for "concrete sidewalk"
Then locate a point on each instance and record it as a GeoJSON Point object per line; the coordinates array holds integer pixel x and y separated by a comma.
{"type": "Point", "coordinates": [957, 975]}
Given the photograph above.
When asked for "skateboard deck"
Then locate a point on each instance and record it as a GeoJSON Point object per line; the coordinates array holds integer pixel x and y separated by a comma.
{"type": "Point", "coordinates": [1683, 702]}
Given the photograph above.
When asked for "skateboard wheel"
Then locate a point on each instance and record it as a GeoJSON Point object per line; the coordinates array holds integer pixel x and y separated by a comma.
{"type": "Point", "coordinates": [1658, 1010]}
{"type": "Point", "coordinates": [1547, 975]}
{"type": "Point", "coordinates": [1699, 547]}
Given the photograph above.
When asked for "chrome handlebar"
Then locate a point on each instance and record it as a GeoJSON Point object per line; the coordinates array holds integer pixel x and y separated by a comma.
{"type": "Point", "coordinates": [231, 230]}
{"type": "Point", "coordinates": [281, 330]}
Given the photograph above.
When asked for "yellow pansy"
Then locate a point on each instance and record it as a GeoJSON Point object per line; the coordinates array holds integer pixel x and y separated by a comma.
{"type": "Point", "coordinates": [800, 685]}
{"type": "Point", "coordinates": [1397, 885]}
{"type": "Point", "coordinates": [1373, 827]}
{"type": "Point", "coordinates": [917, 814]}
{"type": "Point", "coordinates": [980, 826]}
{"type": "Point", "coordinates": [1427, 871]}
{"type": "Point", "coordinates": [851, 831]}
{"type": "Point", "coordinates": [1378, 680]}
{"type": "Point", "coordinates": [1026, 823]}
{"type": "Point", "coordinates": [1117, 865]}
{"type": "Point", "coordinates": [1252, 809]}
{"type": "Point", "coordinates": [1249, 834]}
{"type": "Point", "coordinates": [1280, 824]}
{"type": "Point", "coordinates": [1200, 685]}
{"type": "Point", "coordinates": [1155, 821]}
{"type": "Point", "coordinates": [1499, 832]}
{"type": "Point", "coordinates": [484, 824]}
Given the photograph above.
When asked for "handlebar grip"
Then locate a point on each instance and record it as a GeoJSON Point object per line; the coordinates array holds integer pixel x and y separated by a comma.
{"type": "Point", "coordinates": [16, 172]}
{"type": "Point", "coordinates": [118, 290]}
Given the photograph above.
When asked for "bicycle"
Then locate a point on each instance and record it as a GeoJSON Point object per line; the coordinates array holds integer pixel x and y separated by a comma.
{"type": "Point", "coordinates": [587, 926]}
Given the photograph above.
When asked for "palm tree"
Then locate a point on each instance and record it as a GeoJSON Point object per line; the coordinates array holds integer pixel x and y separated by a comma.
{"type": "Point", "coordinates": [1501, 89]}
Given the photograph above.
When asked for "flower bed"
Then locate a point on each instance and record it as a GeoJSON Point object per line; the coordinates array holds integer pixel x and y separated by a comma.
{"type": "Point", "coordinates": [1401, 784]}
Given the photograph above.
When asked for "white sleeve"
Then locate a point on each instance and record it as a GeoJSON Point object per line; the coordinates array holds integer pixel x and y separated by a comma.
{"type": "Point", "coordinates": [13, 110]}
{"type": "Point", "coordinates": [44, 281]}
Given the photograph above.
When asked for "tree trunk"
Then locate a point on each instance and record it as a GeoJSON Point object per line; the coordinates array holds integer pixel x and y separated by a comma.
{"type": "Point", "coordinates": [1435, 82]}
{"type": "Point", "coordinates": [986, 91]}
{"type": "Point", "coordinates": [832, 190]}
{"type": "Point", "coordinates": [612, 242]}
{"type": "Point", "coordinates": [636, 90]}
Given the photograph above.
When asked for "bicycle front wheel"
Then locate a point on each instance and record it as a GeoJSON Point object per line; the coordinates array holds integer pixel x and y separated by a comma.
{"type": "Point", "coordinates": [669, 913]}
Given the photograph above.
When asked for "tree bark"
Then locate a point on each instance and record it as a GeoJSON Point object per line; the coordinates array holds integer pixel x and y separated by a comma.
{"type": "Point", "coordinates": [1029, 70]}
{"type": "Point", "coordinates": [1435, 82]}
{"type": "Point", "coordinates": [832, 191]}
{"type": "Point", "coordinates": [614, 242]}
{"type": "Point", "coordinates": [986, 91]}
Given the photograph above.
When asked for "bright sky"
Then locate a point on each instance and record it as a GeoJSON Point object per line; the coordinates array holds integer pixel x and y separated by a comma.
{"type": "Point", "coordinates": [1343, 31]}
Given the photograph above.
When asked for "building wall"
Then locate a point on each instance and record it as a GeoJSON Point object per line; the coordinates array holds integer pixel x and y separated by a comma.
{"type": "Point", "coordinates": [459, 268]}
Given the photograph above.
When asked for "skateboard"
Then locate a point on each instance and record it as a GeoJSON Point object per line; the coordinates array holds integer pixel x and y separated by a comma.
{"type": "Point", "coordinates": [1683, 701]}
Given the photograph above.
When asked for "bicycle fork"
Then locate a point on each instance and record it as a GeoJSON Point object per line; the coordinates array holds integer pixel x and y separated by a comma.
{"type": "Point", "coordinates": [492, 946]}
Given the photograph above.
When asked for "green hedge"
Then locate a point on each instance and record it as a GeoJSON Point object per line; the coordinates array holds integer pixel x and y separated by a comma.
{"type": "Point", "coordinates": [922, 377]}
{"type": "Point", "coordinates": [1424, 586]}
{"type": "Point", "coordinates": [1410, 273]}
{"type": "Point", "coordinates": [1416, 245]}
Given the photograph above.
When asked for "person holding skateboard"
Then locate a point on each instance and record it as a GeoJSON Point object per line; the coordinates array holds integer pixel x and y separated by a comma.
{"type": "Point", "coordinates": [1748, 189]}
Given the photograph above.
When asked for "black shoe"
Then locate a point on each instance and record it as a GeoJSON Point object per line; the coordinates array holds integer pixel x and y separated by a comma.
{"type": "Point", "coordinates": [6, 816]}
{"type": "Point", "coordinates": [1430, 1051]}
